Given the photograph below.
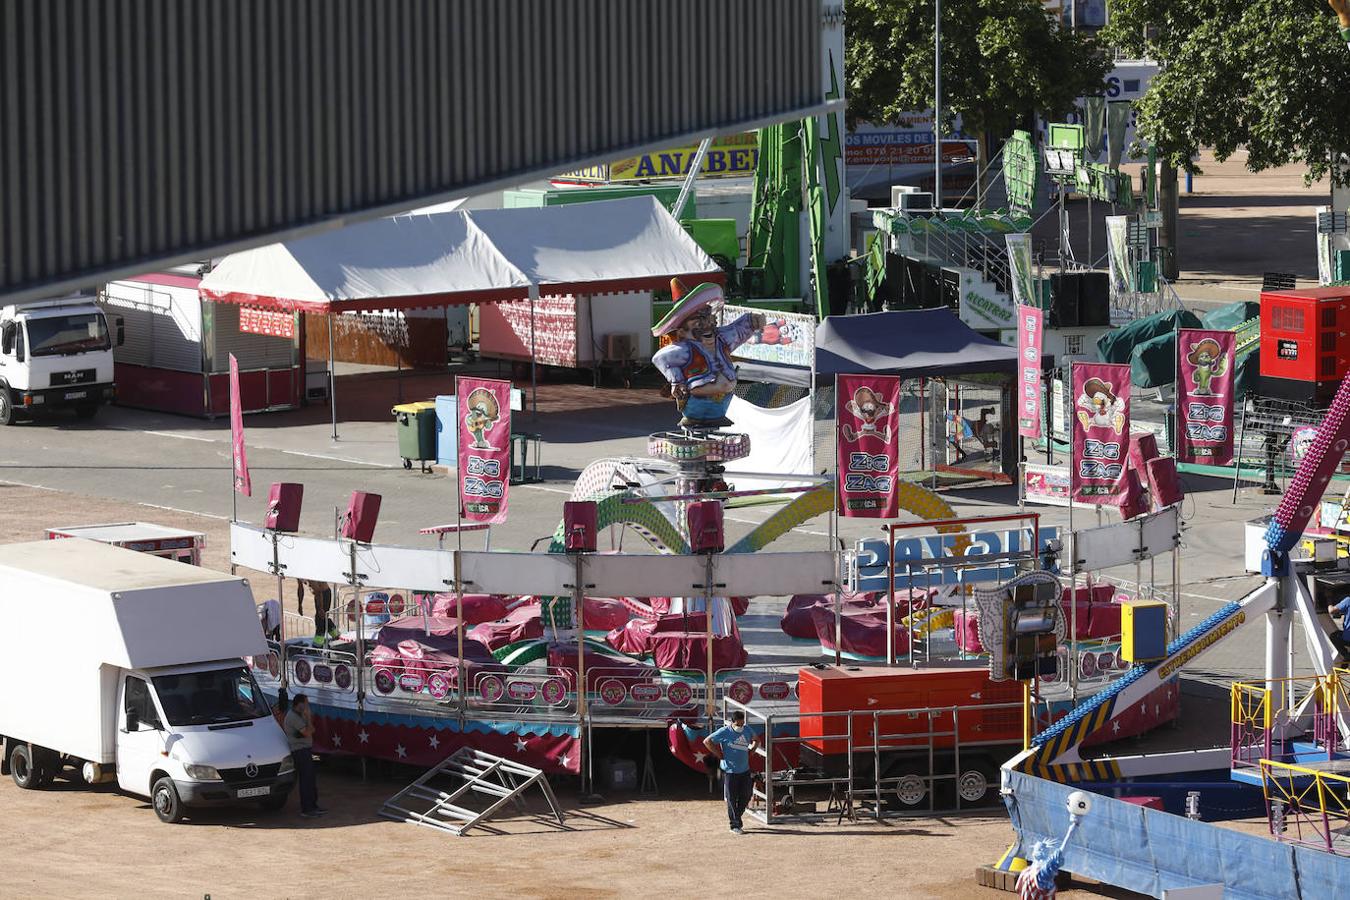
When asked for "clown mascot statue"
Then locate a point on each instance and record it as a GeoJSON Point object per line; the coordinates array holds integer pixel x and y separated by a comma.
{"type": "Point", "coordinates": [698, 363]}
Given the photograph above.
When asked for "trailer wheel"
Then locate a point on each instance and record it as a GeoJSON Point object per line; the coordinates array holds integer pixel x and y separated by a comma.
{"type": "Point", "coordinates": [22, 769]}
{"type": "Point", "coordinates": [972, 786]}
{"type": "Point", "coordinates": [167, 804]}
{"type": "Point", "coordinates": [911, 790]}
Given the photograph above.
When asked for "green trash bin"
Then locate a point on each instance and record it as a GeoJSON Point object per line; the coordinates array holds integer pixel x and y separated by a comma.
{"type": "Point", "coordinates": [416, 423]}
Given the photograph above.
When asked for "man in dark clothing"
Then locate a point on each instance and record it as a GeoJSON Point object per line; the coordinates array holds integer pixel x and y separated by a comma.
{"type": "Point", "coordinates": [299, 727]}
{"type": "Point", "coordinates": [732, 745]}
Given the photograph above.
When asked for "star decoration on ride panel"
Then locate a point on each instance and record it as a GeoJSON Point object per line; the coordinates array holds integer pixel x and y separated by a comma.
{"type": "Point", "coordinates": [400, 751]}
{"type": "Point", "coordinates": [362, 736]}
{"type": "Point", "coordinates": [434, 742]}
{"type": "Point", "coordinates": [337, 740]}
{"type": "Point", "coordinates": [520, 745]}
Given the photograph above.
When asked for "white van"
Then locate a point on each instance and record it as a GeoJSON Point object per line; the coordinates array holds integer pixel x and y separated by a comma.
{"type": "Point", "coordinates": [143, 682]}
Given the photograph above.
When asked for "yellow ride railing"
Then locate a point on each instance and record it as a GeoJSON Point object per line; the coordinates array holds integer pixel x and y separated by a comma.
{"type": "Point", "coordinates": [1250, 716]}
{"type": "Point", "coordinates": [1311, 803]}
{"type": "Point", "coordinates": [1257, 707]}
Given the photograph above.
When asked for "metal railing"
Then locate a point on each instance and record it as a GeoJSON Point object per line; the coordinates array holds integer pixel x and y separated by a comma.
{"type": "Point", "coordinates": [1260, 710]}
{"type": "Point", "coordinates": [892, 759]}
{"type": "Point", "coordinates": [1313, 803]}
{"type": "Point", "coordinates": [309, 668]}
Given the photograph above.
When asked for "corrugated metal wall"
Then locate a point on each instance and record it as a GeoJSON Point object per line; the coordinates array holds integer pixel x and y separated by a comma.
{"type": "Point", "coordinates": [135, 132]}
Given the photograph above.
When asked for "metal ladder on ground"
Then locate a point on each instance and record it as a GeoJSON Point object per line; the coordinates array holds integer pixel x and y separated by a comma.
{"type": "Point", "coordinates": [502, 779]}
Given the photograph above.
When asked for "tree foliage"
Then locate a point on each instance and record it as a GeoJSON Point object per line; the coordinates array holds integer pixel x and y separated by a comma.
{"type": "Point", "coordinates": [1266, 75]}
{"type": "Point", "coordinates": [1001, 59]}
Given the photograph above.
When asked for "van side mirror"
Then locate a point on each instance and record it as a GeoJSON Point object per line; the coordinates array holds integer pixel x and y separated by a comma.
{"type": "Point", "coordinates": [121, 331]}
{"type": "Point", "coordinates": [133, 720]}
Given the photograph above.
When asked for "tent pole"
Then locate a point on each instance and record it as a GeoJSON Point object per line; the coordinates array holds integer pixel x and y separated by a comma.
{"type": "Point", "coordinates": [534, 362]}
{"type": "Point", "coordinates": [332, 376]}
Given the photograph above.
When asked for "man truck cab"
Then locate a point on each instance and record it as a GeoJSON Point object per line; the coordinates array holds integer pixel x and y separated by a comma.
{"type": "Point", "coordinates": [55, 354]}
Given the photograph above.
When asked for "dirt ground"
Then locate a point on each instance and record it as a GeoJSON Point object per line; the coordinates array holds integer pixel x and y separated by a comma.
{"type": "Point", "coordinates": [69, 842]}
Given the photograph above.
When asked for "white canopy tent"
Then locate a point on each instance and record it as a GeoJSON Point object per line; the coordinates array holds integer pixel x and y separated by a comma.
{"type": "Point", "coordinates": [473, 256]}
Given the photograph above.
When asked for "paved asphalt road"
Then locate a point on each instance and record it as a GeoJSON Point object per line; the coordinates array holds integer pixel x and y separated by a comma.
{"type": "Point", "coordinates": [183, 464]}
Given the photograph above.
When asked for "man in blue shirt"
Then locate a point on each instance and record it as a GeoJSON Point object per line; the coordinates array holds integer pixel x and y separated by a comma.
{"type": "Point", "coordinates": [1342, 640]}
{"type": "Point", "coordinates": [732, 745]}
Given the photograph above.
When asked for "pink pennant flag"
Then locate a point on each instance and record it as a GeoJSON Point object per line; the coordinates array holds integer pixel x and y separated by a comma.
{"type": "Point", "coordinates": [242, 485]}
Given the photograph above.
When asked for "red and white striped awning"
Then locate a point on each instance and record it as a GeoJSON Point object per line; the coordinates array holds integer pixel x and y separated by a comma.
{"type": "Point", "coordinates": [475, 256]}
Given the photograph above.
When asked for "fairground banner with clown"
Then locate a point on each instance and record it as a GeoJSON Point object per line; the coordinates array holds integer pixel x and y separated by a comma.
{"type": "Point", "coordinates": [1205, 396]}
{"type": "Point", "coordinates": [484, 473]}
{"type": "Point", "coordinates": [1101, 432]}
{"type": "Point", "coordinates": [868, 441]}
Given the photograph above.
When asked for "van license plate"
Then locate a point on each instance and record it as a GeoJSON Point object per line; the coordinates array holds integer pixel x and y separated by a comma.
{"type": "Point", "coordinates": [254, 792]}
{"type": "Point", "coordinates": [76, 395]}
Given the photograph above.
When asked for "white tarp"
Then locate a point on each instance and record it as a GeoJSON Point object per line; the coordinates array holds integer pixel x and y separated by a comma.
{"type": "Point", "coordinates": [780, 441]}
{"type": "Point", "coordinates": [469, 256]}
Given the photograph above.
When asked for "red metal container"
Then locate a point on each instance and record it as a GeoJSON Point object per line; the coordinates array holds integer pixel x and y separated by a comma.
{"type": "Point", "coordinates": [868, 690]}
{"type": "Point", "coordinates": [1303, 356]}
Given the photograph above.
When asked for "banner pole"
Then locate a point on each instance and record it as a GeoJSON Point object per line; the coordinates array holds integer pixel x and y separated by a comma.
{"type": "Point", "coordinates": [834, 511]}
{"type": "Point", "coordinates": [1174, 438]}
{"type": "Point", "coordinates": [1073, 568]}
{"type": "Point", "coordinates": [332, 376]}
{"type": "Point", "coordinates": [459, 549]}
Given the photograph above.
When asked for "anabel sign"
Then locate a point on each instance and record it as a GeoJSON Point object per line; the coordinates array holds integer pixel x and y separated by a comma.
{"type": "Point", "coordinates": [912, 554]}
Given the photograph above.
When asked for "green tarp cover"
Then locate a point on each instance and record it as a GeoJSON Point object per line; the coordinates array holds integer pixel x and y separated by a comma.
{"type": "Point", "coordinates": [1153, 363]}
{"type": "Point", "coordinates": [1118, 346]}
{"type": "Point", "coordinates": [1231, 315]}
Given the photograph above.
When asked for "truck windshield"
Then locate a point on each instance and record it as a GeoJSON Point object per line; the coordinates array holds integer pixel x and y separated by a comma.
{"type": "Point", "coordinates": [210, 698]}
{"type": "Point", "coordinates": [78, 333]}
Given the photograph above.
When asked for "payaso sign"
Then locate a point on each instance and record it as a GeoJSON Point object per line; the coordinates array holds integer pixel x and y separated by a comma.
{"type": "Point", "coordinates": [911, 553]}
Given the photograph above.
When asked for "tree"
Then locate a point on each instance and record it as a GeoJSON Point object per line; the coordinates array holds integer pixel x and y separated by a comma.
{"type": "Point", "coordinates": [1001, 60]}
{"type": "Point", "coordinates": [1267, 75]}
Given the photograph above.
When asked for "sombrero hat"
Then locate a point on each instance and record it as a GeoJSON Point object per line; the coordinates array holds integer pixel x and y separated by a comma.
{"type": "Point", "coordinates": [687, 303]}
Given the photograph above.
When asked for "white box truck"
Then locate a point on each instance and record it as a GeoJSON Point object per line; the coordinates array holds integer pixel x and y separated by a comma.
{"type": "Point", "coordinates": [56, 354]}
{"type": "Point", "coordinates": [143, 684]}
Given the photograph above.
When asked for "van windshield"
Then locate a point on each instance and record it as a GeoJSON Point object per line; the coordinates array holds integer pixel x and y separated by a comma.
{"type": "Point", "coordinates": [56, 335]}
{"type": "Point", "coordinates": [210, 698]}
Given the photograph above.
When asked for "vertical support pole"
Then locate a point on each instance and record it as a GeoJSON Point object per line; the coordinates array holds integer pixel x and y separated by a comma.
{"type": "Point", "coordinates": [1278, 649]}
{"type": "Point", "coordinates": [332, 376]}
{"type": "Point", "coordinates": [923, 423]}
{"type": "Point", "coordinates": [460, 687]}
{"type": "Point", "coordinates": [579, 602]}
{"type": "Point", "coordinates": [534, 362]}
{"type": "Point", "coordinates": [1073, 564]}
{"type": "Point", "coordinates": [834, 510]}
{"type": "Point", "coordinates": [708, 625]}
{"type": "Point", "coordinates": [937, 104]}
{"type": "Point", "coordinates": [890, 593]}
{"type": "Point", "coordinates": [281, 604]}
